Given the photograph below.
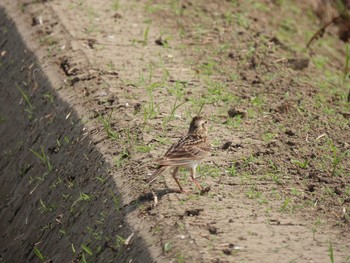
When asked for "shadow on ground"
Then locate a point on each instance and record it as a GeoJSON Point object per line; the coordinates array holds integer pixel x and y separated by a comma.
{"type": "Point", "coordinates": [59, 202]}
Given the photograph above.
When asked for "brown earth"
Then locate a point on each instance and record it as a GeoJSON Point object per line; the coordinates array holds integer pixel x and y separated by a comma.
{"type": "Point", "coordinates": [93, 91]}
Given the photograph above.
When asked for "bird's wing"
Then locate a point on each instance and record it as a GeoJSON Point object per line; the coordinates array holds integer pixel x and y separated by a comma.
{"type": "Point", "coordinates": [185, 153]}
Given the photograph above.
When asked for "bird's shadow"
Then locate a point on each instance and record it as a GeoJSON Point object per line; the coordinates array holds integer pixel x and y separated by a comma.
{"type": "Point", "coordinates": [148, 197]}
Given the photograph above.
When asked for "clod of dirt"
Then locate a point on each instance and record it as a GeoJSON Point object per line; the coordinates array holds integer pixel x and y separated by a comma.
{"type": "Point", "coordinates": [254, 62]}
{"type": "Point", "coordinates": [37, 20]}
{"type": "Point", "coordinates": [227, 251]}
{"type": "Point", "coordinates": [243, 76]}
{"type": "Point", "coordinates": [73, 80]}
{"type": "Point", "coordinates": [233, 112]}
{"type": "Point", "coordinates": [110, 100]}
{"type": "Point", "coordinates": [193, 212]}
{"type": "Point", "coordinates": [231, 55]}
{"type": "Point", "coordinates": [284, 107]}
{"type": "Point", "coordinates": [290, 143]}
{"type": "Point", "coordinates": [276, 41]}
{"type": "Point", "coordinates": [338, 191]}
{"type": "Point", "coordinates": [161, 42]}
{"type": "Point", "coordinates": [290, 132]}
{"type": "Point", "coordinates": [54, 149]}
{"type": "Point", "coordinates": [205, 190]}
{"type": "Point", "coordinates": [226, 145]}
{"type": "Point", "coordinates": [229, 144]}
{"type": "Point", "coordinates": [117, 16]}
{"type": "Point", "coordinates": [256, 80]}
{"type": "Point", "coordinates": [137, 108]}
{"type": "Point", "coordinates": [92, 42]}
{"type": "Point", "coordinates": [311, 188]}
{"type": "Point", "coordinates": [346, 146]}
{"type": "Point", "coordinates": [298, 63]}
{"type": "Point", "coordinates": [66, 67]}
{"type": "Point", "coordinates": [213, 230]}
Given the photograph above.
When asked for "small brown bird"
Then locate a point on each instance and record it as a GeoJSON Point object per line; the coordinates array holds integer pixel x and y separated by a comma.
{"type": "Point", "coordinates": [188, 152]}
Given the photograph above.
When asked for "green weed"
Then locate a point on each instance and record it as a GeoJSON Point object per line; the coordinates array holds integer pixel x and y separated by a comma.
{"type": "Point", "coordinates": [38, 254]}
{"type": "Point", "coordinates": [285, 204]}
{"type": "Point", "coordinates": [86, 249]}
{"type": "Point", "coordinates": [115, 5]}
{"type": "Point", "coordinates": [45, 208]}
{"type": "Point", "coordinates": [82, 197]}
{"type": "Point", "coordinates": [43, 157]}
{"type": "Point", "coordinates": [174, 107]}
{"type": "Point", "coordinates": [117, 200]}
{"type": "Point", "coordinates": [268, 136]}
{"type": "Point", "coordinates": [275, 177]}
{"type": "Point", "coordinates": [119, 241]}
{"type": "Point", "coordinates": [25, 96]}
{"type": "Point", "coordinates": [167, 247]}
{"type": "Point", "coordinates": [209, 170]}
{"type": "Point", "coordinates": [234, 122]}
{"type": "Point", "coordinates": [2, 119]}
{"type": "Point", "coordinates": [232, 171]}
{"type": "Point", "coordinates": [330, 252]}
{"type": "Point", "coordinates": [302, 164]}
{"type": "Point", "coordinates": [111, 133]}
{"type": "Point", "coordinates": [337, 157]}
{"type": "Point", "coordinates": [144, 148]}
{"type": "Point", "coordinates": [121, 157]}
{"type": "Point", "coordinates": [151, 109]}
{"type": "Point", "coordinates": [145, 36]}
{"type": "Point", "coordinates": [73, 248]}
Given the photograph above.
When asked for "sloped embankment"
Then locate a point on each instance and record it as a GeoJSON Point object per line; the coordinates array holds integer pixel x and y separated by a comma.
{"type": "Point", "coordinates": [58, 200]}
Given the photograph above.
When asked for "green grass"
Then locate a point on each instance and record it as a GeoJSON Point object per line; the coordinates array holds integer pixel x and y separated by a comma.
{"type": "Point", "coordinates": [25, 96]}
{"type": "Point", "coordinates": [208, 170]}
{"type": "Point", "coordinates": [337, 158]}
{"type": "Point", "coordinates": [44, 208]}
{"type": "Point", "coordinates": [106, 122]}
{"type": "Point", "coordinates": [167, 247]}
{"type": "Point", "coordinates": [121, 158]}
{"type": "Point", "coordinates": [176, 105]}
{"type": "Point", "coordinates": [82, 197]}
{"type": "Point", "coordinates": [330, 252]}
{"type": "Point", "coordinates": [302, 164]}
{"type": "Point", "coordinates": [43, 157]}
{"type": "Point", "coordinates": [38, 254]}
{"type": "Point", "coordinates": [119, 241]}
{"type": "Point", "coordinates": [86, 249]}
{"type": "Point", "coordinates": [115, 5]}
{"type": "Point", "coordinates": [232, 171]}
{"type": "Point", "coordinates": [2, 119]}
{"type": "Point", "coordinates": [151, 109]}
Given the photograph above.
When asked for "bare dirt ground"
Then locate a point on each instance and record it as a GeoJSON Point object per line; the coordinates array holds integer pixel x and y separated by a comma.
{"type": "Point", "coordinates": [93, 91]}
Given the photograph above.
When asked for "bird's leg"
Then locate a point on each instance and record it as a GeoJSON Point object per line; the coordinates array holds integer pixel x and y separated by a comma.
{"type": "Point", "coordinates": [176, 180]}
{"type": "Point", "coordinates": [193, 176]}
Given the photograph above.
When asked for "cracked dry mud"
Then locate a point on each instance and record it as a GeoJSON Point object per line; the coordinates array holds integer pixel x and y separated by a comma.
{"type": "Point", "coordinates": [93, 91]}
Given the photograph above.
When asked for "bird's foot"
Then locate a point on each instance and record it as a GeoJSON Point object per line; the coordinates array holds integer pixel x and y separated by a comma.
{"type": "Point", "coordinates": [204, 191]}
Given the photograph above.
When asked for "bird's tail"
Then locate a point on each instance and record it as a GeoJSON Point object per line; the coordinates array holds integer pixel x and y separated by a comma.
{"type": "Point", "coordinates": [156, 173]}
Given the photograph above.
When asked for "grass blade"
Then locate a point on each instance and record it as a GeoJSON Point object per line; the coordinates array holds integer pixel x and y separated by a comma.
{"type": "Point", "coordinates": [86, 249]}
{"type": "Point", "coordinates": [38, 253]}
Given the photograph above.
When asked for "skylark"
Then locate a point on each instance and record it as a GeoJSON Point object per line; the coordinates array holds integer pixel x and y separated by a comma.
{"type": "Point", "coordinates": [188, 152]}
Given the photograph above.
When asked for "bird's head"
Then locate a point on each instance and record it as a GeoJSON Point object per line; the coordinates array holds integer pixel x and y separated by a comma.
{"type": "Point", "coordinates": [199, 126]}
